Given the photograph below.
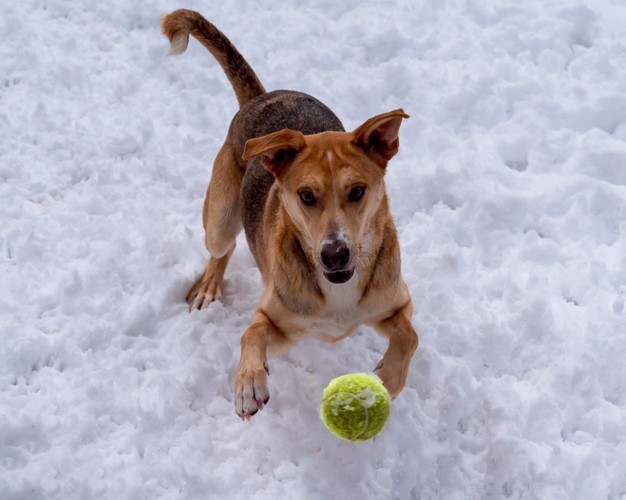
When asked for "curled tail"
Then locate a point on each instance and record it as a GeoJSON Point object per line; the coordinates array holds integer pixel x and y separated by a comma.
{"type": "Point", "coordinates": [178, 25]}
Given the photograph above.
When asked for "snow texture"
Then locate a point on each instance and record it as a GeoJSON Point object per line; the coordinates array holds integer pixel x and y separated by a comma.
{"type": "Point", "coordinates": [509, 194]}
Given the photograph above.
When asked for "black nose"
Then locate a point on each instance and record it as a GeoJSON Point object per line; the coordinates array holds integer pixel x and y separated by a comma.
{"type": "Point", "coordinates": [335, 255]}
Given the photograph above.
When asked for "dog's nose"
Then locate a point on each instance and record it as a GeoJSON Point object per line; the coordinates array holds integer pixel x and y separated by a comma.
{"type": "Point", "coordinates": [335, 255]}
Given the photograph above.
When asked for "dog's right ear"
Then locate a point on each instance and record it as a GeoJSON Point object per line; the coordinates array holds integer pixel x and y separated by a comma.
{"type": "Point", "coordinates": [277, 150]}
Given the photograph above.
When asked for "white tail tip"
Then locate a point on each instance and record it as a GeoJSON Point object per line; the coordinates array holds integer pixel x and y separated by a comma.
{"type": "Point", "coordinates": [178, 45]}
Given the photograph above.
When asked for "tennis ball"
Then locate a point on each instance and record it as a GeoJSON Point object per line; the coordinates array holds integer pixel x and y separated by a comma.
{"type": "Point", "coordinates": [355, 407]}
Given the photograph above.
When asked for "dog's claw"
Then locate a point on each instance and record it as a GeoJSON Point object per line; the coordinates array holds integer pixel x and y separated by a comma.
{"type": "Point", "coordinates": [208, 288]}
{"type": "Point", "coordinates": [208, 299]}
{"type": "Point", "coordinates": [379, 365]}
{"type": "Point", "coordinates": [191, 301]}
{"type": "Point", "coordinates": [251, 393]}
{"type": "Point", "coordinates": [200, 301]}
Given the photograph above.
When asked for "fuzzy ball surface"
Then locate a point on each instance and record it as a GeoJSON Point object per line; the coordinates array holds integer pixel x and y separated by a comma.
{"type": "Point", "coordinates": [355, 407]}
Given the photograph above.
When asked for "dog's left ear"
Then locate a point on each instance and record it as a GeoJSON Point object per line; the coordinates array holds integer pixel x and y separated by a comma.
{"type": "Point", "coordinates": [277, 150]}
{"type": "Point", "coordinates": [378, 136]}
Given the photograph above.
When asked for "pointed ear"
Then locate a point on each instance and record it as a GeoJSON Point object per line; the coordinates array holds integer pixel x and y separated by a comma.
{"type": "Point", "coordinates": [378, 136]}
{"type": "Point", "coordinates": [277, 150]}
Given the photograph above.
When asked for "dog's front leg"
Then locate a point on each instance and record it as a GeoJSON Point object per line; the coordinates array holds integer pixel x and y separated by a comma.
{"type": "Point", "coordinates": [393, 369]}
{"type": "Point", "coordinates": [251, 392]}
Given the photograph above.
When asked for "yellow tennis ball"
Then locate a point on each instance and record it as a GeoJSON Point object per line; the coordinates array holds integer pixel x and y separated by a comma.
{"type": "Point", "coordinates": [355, 407]}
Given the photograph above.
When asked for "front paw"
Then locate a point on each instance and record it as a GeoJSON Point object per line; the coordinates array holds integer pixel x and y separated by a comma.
{"type": "Point", "coordinates": [205, 290]}
{"type": "Point", "coordinates": [251, 392]}
{"type": "Point", "coordinates": [392, 376]}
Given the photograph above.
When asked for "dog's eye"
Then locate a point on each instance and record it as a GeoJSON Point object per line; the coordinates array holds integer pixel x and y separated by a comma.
{"type": "Point", "coordinates": [307, 197]}
{"type": "Point", "coordinates": [356, 193]}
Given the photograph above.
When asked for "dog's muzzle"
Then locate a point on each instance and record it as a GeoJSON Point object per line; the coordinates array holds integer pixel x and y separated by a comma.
{"type": "Point", "coordinates": [335, 257]}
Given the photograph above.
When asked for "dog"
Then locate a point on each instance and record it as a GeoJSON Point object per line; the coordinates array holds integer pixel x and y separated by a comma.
{"type": "Point", "coordinates": [311, 198]}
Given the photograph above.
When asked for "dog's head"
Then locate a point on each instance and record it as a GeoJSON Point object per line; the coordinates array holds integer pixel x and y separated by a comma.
{"type": "Point", "coordinates": [332, 186]}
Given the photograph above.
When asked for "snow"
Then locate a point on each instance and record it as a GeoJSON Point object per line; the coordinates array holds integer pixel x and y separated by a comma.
{"type": "Point", "coordinates": [509, 194]}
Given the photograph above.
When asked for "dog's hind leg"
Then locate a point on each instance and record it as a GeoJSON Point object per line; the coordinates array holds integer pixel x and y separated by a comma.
{"type": "Point", "coordinates": [222, 222]}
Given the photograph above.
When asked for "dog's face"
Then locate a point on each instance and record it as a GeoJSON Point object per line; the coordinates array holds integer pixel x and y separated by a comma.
{"type": "Point", "coordinates": [332, 191]}
{"type": "Point", "coordinates": [332, 187]}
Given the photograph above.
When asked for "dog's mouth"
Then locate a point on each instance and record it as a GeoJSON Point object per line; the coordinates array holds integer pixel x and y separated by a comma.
{"type": "Point", "coordinates": [338, 277]}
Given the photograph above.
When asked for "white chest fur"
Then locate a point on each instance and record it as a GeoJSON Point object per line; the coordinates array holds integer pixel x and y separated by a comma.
{"type": "Point", "coordinates": [341, 297]}
{"type": "Point", "coordinates": [341, 314]}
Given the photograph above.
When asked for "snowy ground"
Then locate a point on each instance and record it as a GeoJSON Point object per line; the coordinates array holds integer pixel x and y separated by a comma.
{"type": "Point", "coordinates": [510, 198]}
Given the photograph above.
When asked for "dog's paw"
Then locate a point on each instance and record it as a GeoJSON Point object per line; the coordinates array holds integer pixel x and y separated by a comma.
{"type": "Point", "coordinates": [251, 392]}
{"type": "Point", "coordinates": [393, 379]}
{"type": "Point", "coordinates": [206, 290]}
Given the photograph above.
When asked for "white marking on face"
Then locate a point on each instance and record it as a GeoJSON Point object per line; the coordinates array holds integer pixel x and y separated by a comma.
{"type": "Point", "coordinates": [343, 237]}
{"type": "Point", "coordinates": [329, 157]}
{"type": "Point", "coordinates": [338, 235]}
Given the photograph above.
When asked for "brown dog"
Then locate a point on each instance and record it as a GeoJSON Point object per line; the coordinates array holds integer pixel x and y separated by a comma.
{"type": "Point", "coordinates": [312, 200]}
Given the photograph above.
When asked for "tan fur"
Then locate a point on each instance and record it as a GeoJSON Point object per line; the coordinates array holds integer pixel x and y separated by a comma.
{"type": "Point", "coordinates": [309, 289]}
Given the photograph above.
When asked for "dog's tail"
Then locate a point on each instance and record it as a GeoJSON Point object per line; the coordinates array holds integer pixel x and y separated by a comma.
{"type": "Point", "coordinates": [178, 25]}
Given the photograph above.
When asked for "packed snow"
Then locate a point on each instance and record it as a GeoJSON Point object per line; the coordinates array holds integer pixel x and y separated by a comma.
{"type": "Point", "coordinates": [509, 193]}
